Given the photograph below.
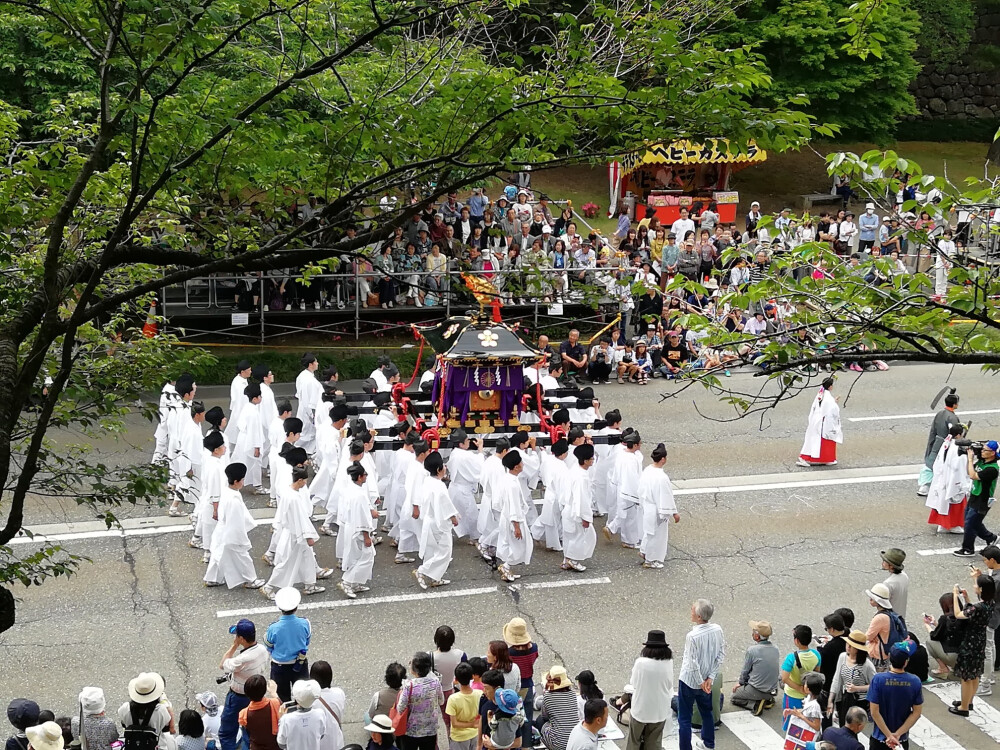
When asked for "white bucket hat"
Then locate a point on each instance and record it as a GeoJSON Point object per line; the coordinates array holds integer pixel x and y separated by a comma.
{"type": "Point", "coordinates": [92, 700]}
{"type": "Point", "coordinates": [146, 688]}
{"type": "Point", "coordinates": [879, 593]}
{"type": "Point", "coordinates": [305, 692]}
{"type": "Point", "coordinates": [380, 723]}
{"type": "Point", "coordinates": [47, 736]}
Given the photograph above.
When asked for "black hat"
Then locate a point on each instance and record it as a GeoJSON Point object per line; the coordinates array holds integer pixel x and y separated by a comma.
{"type": "Point", "coordinates": [296, 456]}
{"type": "Point", "coordinates": [655, 638]}
{"type": "Point", "coordinates": [299, 473]}
{"type": "Point", "coordinates": [575, 434]}
{"type": "Point", "coordinates": [213, 441]}
{"type": "Point", "coordinates": [215, 415]}
{"type": "Point", "coordinates": [584, 452]}
{"type": "Point", "coordinates": [459, 436]}
{"type": "Point", "coordinates": [243, 364]}
{"type": "Point", "coordinates": [381, 399]}
{"type": "Point", "coordinates": [421, 446]}
{"type": "Point", "coordinates": [292, 426]}
{"type": "Point", "coordinates": [502, 444]}
{"type": "Point", "coordinates": [356, 448]}
{"type": "Point", "coordinates": [235, 472]}
{"type": "Point", "coordinates": [519, 438]}
{"type": "Point", "coordinates": [184, 387]}
{"type": "Point", "coordinates": [260, 371]}
{"type": "Point", "coordinates": [433, 463]}
{"type": "Point", "coordinates": [659, 452]}
{"type": "Point", "coordinates": [632, 439]}
{"type": "Point", "coordinates": [368, 385]}
{"type": "Point", "coordinates": [613, 417]}
{"type": "Point", "coordinates": [307, 359]}
{"type": "Point", "coordinates": [587, 393]}
{"type": "Point", "coordinates": [511, 460]}
{"type": "Point", "coordinates": [283, 406]}
{"type": "Point", "coordinates": [560, 447]}
{"type": "Point", "coordinates": [252, 391]}
{"type": "Point", "coordinates": [560, 416]}
{"type": "Point", "coordinates": [338, 412]}
{"type": "Point", "coordinates": [356, 470]}
{"type": "Point", "coordinates": [329, 371]}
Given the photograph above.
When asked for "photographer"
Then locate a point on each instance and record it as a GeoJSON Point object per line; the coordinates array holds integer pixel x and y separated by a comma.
{"type": "Point", "coordinates": [244, 659]}
{"type": "Point", "coordinates": [602, 360]}
{"type": "Point", "coordinates": [983, 471]}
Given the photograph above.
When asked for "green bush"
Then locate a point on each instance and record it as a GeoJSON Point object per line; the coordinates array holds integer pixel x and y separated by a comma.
{"type": "Point", "coordinates": [286, 365]}
{"type": "Point", "coordinates": [948, 129]}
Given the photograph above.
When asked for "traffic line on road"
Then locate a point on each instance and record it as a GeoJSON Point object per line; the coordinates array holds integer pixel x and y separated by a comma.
{"type": "Point", "coordinates": [926, 415]}
{"type": "Point", "coordinates": [831, 482]}
{"type": "Point", "coordinates": [109, 533]}
{"type": "Point", "coordinates": [930, 736]}
{"type": "Point", "coordinates": [942, 551]}
{"type": "Point", "coordinates": [395, 599]}
{"type": "Point", "coordinates": [751, 730]}
{"type": "Point", "coordinates": [561, 584]}
{"type": "Point", "coordinates": [983, 716]}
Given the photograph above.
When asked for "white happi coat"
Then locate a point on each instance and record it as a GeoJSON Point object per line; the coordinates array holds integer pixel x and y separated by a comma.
{"type": "Point", "coordinates": [548, 525]}
{"type": "Point", "coordinates": [436, 540]}
{"type": "Point", "coordinates": [251, 433]}
{"type": "Point", "coordinates": [294, 560]}
{"type": "Point", "coordinates": [355, 519]}
{"type": "Point", "coordinates": [658, 507]}
{"type": "Point", "coordinates": [824, 422]}
{"type": "Point", "coordinates": [507, 495]}
{"type": "Point", "coordinates": [627, 522]}
{"type": "Point", "coordinates": [489, 509]}
{"type": "Point", "coordinates": [308, 391]}
{"type": "Point", "coordinates": [237, 400]}
{"type": "Point", "coordinates": [230, 561]}
{"type": "Point", "coordinates": [951, 482]}
{"type": "Point", "coordinates": [578, 542]}
{"type": "Point", "coordinates": [465, 468]}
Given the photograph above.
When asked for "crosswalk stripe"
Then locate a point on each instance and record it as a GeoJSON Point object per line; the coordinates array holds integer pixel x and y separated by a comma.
{"type": "Point", "coordinates": [930, 736]}
{"type": "Point", "coordinates": [983, 716]}
{"type": "Point", "coordinates": [751, 730]}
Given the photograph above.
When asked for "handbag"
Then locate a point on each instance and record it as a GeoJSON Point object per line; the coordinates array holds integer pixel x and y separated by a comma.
{"type": "Point", "coordinates": [373, 300]}
{"type": "Point", "coordinates": [399, 720]}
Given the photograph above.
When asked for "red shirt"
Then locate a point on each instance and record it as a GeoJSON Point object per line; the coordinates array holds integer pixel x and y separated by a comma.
{"type": "Point", "coordinates": [524, 657]}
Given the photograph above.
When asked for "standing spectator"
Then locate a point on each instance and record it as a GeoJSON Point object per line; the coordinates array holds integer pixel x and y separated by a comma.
{"type": "Point", "coordinates": [832, 645]}
{"type": "Point", "coordinates": [652, 683]}
{"type": "Point", "coordinates": [208, 707]}
{"type": "Point", "coordinates": [190, 731]}
{"type": "Point", "coordinates": [795, 667]}
{"type": "Point", "coordinates": [760, 676]}
{"type": "Point", "coordinates": [446, 659]}
{"type": "Point", "coordinates": [332, 704]}
{"type": "Point", "coordinates": [584, 734]}
{"type": "Point", "coordinates": [896, 699]}
{"type": "Point", "coordinates": [809, 717]}
{"type": "Point", "coordinates": [624, 224]}
{"type": "Point", "coordinates": [898, 582]}
{"type": "Point", "coordinates": [287, 640]}
{"type": "Point", "coordinates": [99, 730]}
{"type": "Point", "coordinates": [523, 654]}
{"type": "Point", "coordinates": [422, 696]}
{"type": "Point", "coordinates": [868, 229]}
{"type": "Point", "coordinates": [21, 713]}
{"type": "Point", "coordinates": [477, 204]}
{"type": "Point", "coordinates": [145, 714]}
{"type": "Point", "coordinates": [704, 652]}
{"type": "Point", "coordinates": [984, 472]}
{"type": "Point", "coordinates": [559, 709]}
{"type": "Point", "coordinates": [853, 673]}
{"type": "Point", "coordinates": [886, 627]}
{"type": "Point", "coordinates": [972, 652]}
{"type": "Point", "coordinates": [383, 701]}
{"type": "Point", "coordinates": [46, 736]}
{"type": "Point", "coordinates": [991, 557]}
{"type": "Point", "coordinates": [683, 225]}
{"type": "Point", "coordinates": [244, 659]}
{"type": "Point", "coordinates": [259, 720]}
{"type": "Point", "coordinates": [303, 728]}
{"type": "Point", "coordinates": [462, 711]}
{"type": "Point", "coordinates": [498, 658]}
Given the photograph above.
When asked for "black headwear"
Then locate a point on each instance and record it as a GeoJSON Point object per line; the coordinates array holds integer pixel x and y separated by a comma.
{"type": "Point", "coordinates": [560, 416]}
{"type": "Point", "coordinates": [296, 456]}
{"type": "Point", "coordinates": [307, 359]}
{"type": "Point", "coordinates": [519, 438]}
{"type": "Point", "coordinates": [412, 438]}
{"type": "Point", "coordinates": [421, 446]}
{"type": "Point", "coordinates": [511, 460]}
{"type": "Point", "coordinates": [260, 372]}
{"type": "Point", "coordinates": [502, 444]}
{"type": "Point", "coordinates": [284, 407]}
{"type": "Point", "coordinates": [659, 452]}
{"type": "Point", "coordinates": [613, 417]}
{"type": "Point", "coordinates": [433, 463]}
{"type": "Point", "coordinates": [381, 399]}
{"type": "Point", "coordinates": [356, 470]}
{"type": "Point", "coordinates": [213, 441]}
{"type": "Point", "coordinates": [252, 391]}
{"type": "Point", "coordinates": [338, 412]}
{"type": "Point", "coordinates": [236, 472]}
{"type": "Point", "coordinates": [243, 364]}
{"type": "Point", "coordinates": [292, 426]}
{"type": "Point", "coordinates": [214, 416]}
{"type": "Point", "coordinates": [299, 473]}
{"type": "Point", "coordinates": [459, 436]}
{"type": "Point", "coordinates": [560, 447]}
{"type": "Point", "coordinates": [632, 439]}
{"type": "Point", "coordinates": [575, 434]}
{"type": "Point", "coordinates": [583, 452]}
{"type": "Point", "coordinates": [329, 372]}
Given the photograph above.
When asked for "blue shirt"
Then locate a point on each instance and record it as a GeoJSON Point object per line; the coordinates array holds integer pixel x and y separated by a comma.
{"type": "Point", "coordinates": [896, 694]}
{"type": "Point", "coordinates": [868, 226]}
{"type": "Point", "coordinates": [287, 638]}
{"type": "Point", "coordinates": [477, 205]}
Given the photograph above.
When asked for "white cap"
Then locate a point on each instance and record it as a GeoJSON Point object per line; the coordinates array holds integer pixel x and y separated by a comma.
{"type": "Point", "coordinates": [546, 229]}
{"type": "Point", "coordinates": [869, 207]}
{"type": "Point", "coordinates": [287, 599]}
{"type": "Point", "coordinates": [305, 692]}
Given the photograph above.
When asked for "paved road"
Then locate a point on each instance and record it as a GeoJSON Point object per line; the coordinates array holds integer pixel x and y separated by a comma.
{"type": "Point", "coordinates": [790, 552]}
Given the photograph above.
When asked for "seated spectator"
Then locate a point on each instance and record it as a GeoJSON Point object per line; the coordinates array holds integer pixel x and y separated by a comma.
{"type": "Point", "coordinates": [98, 728]}
{"type": "Point", "coordinates": [946, 636]}
{"type": "Point", "coordinates": [380, 734]}
{"type": "Point", "coordinates": [845, 737]}
{"type": "Point", "coordinates": [627, 368]}
{"type": "Point", "coordinates": [211, 716]}
{"type": "Point", "coordinates": [602, 361]}
{"type": "Point", "coordinates": [559, 709]}
{"type": "Point", "coordinates": [190, 731]}
{"type": "Point", "coordinates": [46, 736]}
{"type": "Point", "coordinates": [146, 710]}
{"type": "Point", "coordinates": [574, 356]}
{"type": "Point", "coordinates": [919, 664]}
{"type": "Point", "coordinates": [759, 679]}
{"type": "Point", "coordinates": [643, 364]}
{"type": "Point", "coordinates": [674, 357]}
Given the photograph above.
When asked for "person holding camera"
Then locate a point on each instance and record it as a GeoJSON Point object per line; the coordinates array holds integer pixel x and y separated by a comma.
{"type": "Point", "coordinates": [244, 659]}
{"type": "Point", "coordinates": [983, 471]}
{"type": "Point", "coordinates": [602, 361]}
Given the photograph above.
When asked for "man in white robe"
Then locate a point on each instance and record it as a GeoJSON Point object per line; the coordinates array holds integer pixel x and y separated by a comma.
{"type": "Point", "coordinates": [290, 457]}
{"type": "Point", "coordinates": [514, 543]}
{"type": "Point", "coordinates": [410, 521]}
{"type": "Point", "coordinates": [276, 439]}
{"type": "Point", "coordinates": [823, 431]}
{"type": "Point", "coordinates": [439, 518]}
{"type": "Point", "coordinates": [530, 465]}
{"type": "Point", "coordinates": [465, 467]}
{"type": "Point", "coordinates": [489, 509]}
{"type": "Point", "coordinates": [189, 456]}
{"type": "Point", "coordinates": [402, 457]}
{"type": "Point", "coordinates": [547, 527]}
{"type": "Point", "coordinates": [579, 537]}
{"type": "Point", "coordinates": [308, 391]}
{"type": "Point", "coordinates": [268, 410]}
{"type": "Point", "coordinates": [230, 563]}
{"type": "Point", "coordinates": [330, 438]}
{"type": "Point", "coordinates": [250, 448]}
{"type": "Point", "coordinates": [657, 498]}
{"type": "Point", "coordinates": [366, 459]}
{"type": "Point", "coordinates": [358, 522]}
{"type": "Point", "coordinates": [179, 462]}
{"type": "Point", "coordinates": [950, 485]}
{"type": "Point", "coordinates": [167, 396]}
{"type": "Point", "coordinates": [237, 400]}
{"type": "Point", "coordinates": [604, 504]}
{"type": "Point", "coordinates": [213, 481]}
{"type": "Point", "coordinates": [295, 559]}
{"type": "Point", "coordinates": [627, 522]}
{"type": "Point", "coordinates": [352, 452]}
{"type": "Point", "coordinates": [383, 419]}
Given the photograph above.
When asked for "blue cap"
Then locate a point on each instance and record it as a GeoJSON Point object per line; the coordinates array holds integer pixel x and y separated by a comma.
{"type": "Point", "coordinates": [993, 445]}
{"type": "Point", "coordinates": [810, 746]}
{"type": "Point", "coordinates": [244, 629]}
{"type": "Point", "coordinates": [507, 700]}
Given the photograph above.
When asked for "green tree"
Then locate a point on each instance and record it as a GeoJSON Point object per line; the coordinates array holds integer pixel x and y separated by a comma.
{"type": "Point", "coordinates": [189, 110]}
{"type": "Point", "coordinates": [810, 48]}
{"type": "Point", "coordinates": [945, 30]}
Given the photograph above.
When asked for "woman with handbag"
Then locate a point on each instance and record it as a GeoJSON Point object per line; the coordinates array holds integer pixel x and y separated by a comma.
{"type": "Point", "coordinates": [418, 708]}
{"type": "Point", "coordinates": [851, 678]}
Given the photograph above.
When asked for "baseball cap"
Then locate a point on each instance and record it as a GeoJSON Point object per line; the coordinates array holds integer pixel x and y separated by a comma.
{"type": "Point", "coordinates": [244, 629]}
{"type": "Point", "coordinates": [761, 627]}
{"type": "Point", "coordinates": [993, 445]}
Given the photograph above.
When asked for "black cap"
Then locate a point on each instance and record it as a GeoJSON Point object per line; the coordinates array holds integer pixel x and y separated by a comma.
{"type": "Point", "coordinates": [292, 426]}
{"type": "Point", "coordinates": [338, 412]}
{"type": "Point", "coordinates": [433, 463]}
{"type": "Point", "coordinates": [356, 470]}
{"type": "Point", "coordinates": [584, 452]}
{"type": "Point", "coordinates": [307, 359]}
{"type": "Point", "coordinates": [511, 460]}
{"type": "Point", "coordinates": [560, 447]}
{"type": "Point", "coordinates": [243, 364]}
{"type": "Point", "coordinates": [284, 406]}
{"type": "Point", "coordinates": [296, 456]}
{"type": "Point", "coordinates": [260, 371]}
{"type": "Point", "coordinates": [215, 415]}
{"type": "Point", "coordinates": [560, 416]}
{"type": "Point", "coordinates": [381, 399]}
{"type": "Point", "coordinates": [235, 472]}
{"type": "Point", "coordinates": [252, 391]}
{"type": "Point", "coordinates": [213, 441]}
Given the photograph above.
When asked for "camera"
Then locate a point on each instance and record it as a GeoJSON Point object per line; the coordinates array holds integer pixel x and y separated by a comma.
{"type": "Point", "coordinates": [223, 680]}
{"type": "Point", "coordinates": [965, 445]}
{"type": "Point", "coordinates": [600, 357]}
{"type": "Point", "coordinates": [627, 359]}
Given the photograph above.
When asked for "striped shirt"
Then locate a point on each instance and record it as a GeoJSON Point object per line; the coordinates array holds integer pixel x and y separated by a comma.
{"type": "Point", "coordinates": [704, 652]}
{"type": "Point", "coordinates": [524, 657]}
{"type": "Point", "coordinates": [561, 709]}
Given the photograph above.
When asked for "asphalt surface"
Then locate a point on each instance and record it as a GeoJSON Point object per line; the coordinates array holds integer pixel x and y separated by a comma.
{"type": "Point", "coordinates": [789, 554]}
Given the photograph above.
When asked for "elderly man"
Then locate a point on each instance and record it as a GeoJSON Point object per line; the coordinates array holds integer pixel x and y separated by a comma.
{"type": "Point", "coordinates": [574, 356]}
{"type": "Point", "coordinates": [704, 652]}
{"type": "Point", "coordinates": [759, 679]}
{"type": "Point", "coordinates": [846, 737]}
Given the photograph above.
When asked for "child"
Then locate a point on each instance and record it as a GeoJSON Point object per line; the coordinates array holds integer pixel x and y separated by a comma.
{"type": "Point", "coordinates": [463, 708]}
{"type": "Point", "coordinates": [505, 722]}
{"type": "Point", "coordinates": [259, 720]}
{"type": "Point", "coordinates": [479, 666]}
{"type": "Point", "coordinates": [190, 731]}
{"type": "Point", "coordinates": [380, 733]}
{"type": "Point", "coordinates": [805, 722]}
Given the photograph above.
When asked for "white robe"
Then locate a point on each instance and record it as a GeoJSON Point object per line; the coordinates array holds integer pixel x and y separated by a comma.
{"type": "Point", "coordinates": [308, 391]}
{"type": "Point", "coordinates": [213, 481]}
{"type": "Point", "coordinates": [627, 522]}
{"type": "Point", "coordinates": [381, 381]}
{"type": "Point", "coordinates": [268, 413]}
{"type": "Point", "coordinates": [507, 494]}
{"type": "Point", "coordinates": [579, 542]}
{"type": "Point", "coordinates": [230, 561]}
{"type": "Point", "coordinates": [465, 468]}
{"type": "Point", "coordinates": [356, 518]}
{"type": "Point", "coordinates": [528, 478]}
{"type": "Point", "coordinates": [658, 507]}
{"type": "Point", "coordinates": [489, 510]}
{"type": "Point", "coordinates": [370, 487]}
{"type": "Point", "coordinates": [601, 469]}
{"type": "Point", "coordinates": [295, 560]}
{"type": "Point", "coordinates": [824, 422]}
{"type": "Point", "coordinates": [328, 449]}
{"type": "Point", "coordinates": [436, 540]}
{"type": "Point", "coordinates": [275, 439]}
{"type": "Point", "coordinates": [167, 395]}
{"type": "Point", "coordinates": [548, 525]}
{"type": "Point", "coordinates": [190, 454]}
{"type": "Point", "coordinates": [410, 528]}
{"type": "Point", "coordinates": [951, 482]}
{"type": "Point", "coordinates": [251, 440]}
{"type": "Point", "coordinates": [383, 458]}
{"type": "Point", "coordinates": [237, 400]}
{"type": "Point", "coordinates": [396, 494]}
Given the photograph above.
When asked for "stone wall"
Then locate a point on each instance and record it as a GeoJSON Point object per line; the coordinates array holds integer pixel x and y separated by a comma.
{"type": "Point", "coordinates": [963, 90]}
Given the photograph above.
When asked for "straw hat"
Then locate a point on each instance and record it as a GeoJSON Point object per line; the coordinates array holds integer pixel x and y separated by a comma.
{"type": "Point", "coordinates": [47, 736]}
{"type": "Point", "coordinates": [558, 675]}
{"type": "Point", "coordinates": [146, 688]}
{"type": "Point", "coordinates": [380, 723]}
{"type": "Point", "coordinates": [515, 632]}
{"type": "Point", "coordinates": [856, 639]}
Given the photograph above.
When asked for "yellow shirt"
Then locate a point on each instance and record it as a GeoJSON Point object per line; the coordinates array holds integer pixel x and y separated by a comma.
{"type": "Point", "coordinates": [464, 707]}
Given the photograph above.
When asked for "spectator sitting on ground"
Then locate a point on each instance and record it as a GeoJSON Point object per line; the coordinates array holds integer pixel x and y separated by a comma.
{"type": "Point", "coordinates": [759, 679]}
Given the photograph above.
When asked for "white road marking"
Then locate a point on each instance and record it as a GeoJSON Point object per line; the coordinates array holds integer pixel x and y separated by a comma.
{"type": "Point", "coordinates": [359, 602]}
{"type": "Point", "coordinates": [928, 415]}
{"type": "Point", "coordinates": [109, 533]}
{"type": "Point", "coordinates": [944, 551]}
{"type": "Point", "coordinates": [931, 737]}
{"type": "Point", "coordinates": [832, 482]}
{"type": "Point", "coordinates": [863, 739]}
{"type": "Point", "coordinates": [751, 730]}
{"type": "Point", "coordinates": [983, 716]}
{"type": "Point", "coordinates": [560, 584]}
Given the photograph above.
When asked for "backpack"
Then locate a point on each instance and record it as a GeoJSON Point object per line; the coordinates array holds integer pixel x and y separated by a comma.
{"type": "Point", "coordinates": [140, 736]}
{"type": "Point", "coordinates": [897, 630]}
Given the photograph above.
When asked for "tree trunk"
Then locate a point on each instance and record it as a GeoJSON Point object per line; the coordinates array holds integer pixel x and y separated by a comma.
{"type": "Point", "coordinates": [993, 155]}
